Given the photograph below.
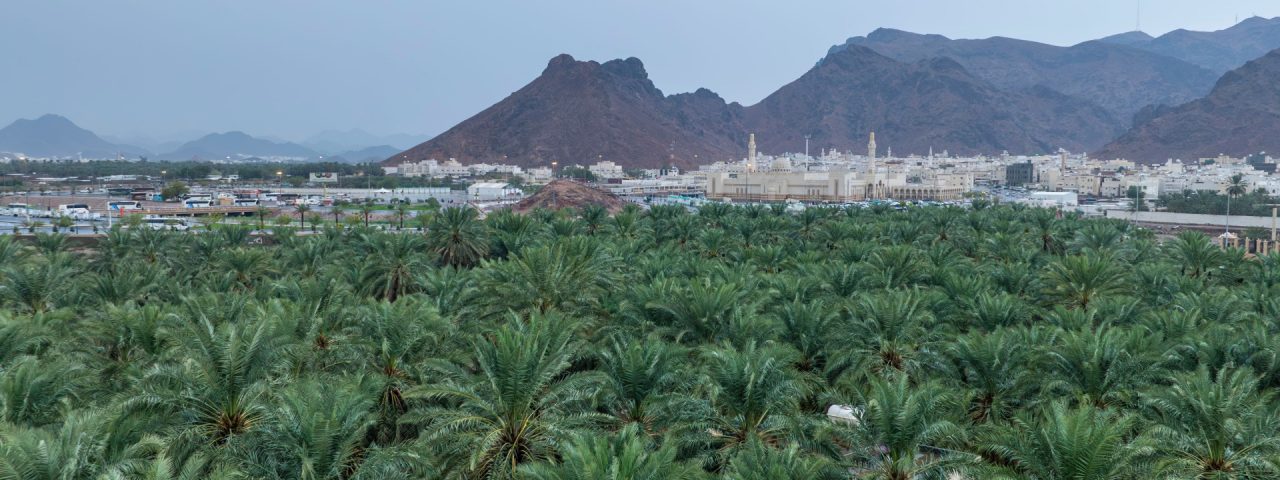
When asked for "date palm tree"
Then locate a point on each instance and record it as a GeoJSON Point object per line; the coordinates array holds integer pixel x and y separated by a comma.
{"type": "Point", "coordinates": [366, 209]}
{"type": "Point", "coordinates": [36, 286]}
{"type": "Point", "coordinates": [517, 409]}
{"type": "Point", "coordinates": [32, 390]}
{"type": "Point", "coordinates": [260, 214]}
{"type": "Point", "coordinates": [316, 430]}
{"type": "Point", "coordinates": [890, 330]}
{"type": "Point", "coordinates": [302, 210]}
{"type": "Point", "coordinates": [1080, 279]}
{"type": "Point", "coordinates": [1081, 443]}
{"type": "Point", "coordinates": [393, 259]}
{"type": "Point", "coordinates": [569, 276]}
{"type": "Point", "coordinates": [1236, 186]}
{"type": "Point", "coordinates": [992, 367]}
{"type": "Point", "coordinates": [762, 462]}
{"type": "Point", "coordinates": [626, 455]}
{"type": "Point", "coordinates": [73, 450]}
{"type": "Point", "coordinates": [217, 396]}
{"type": "Point", "coordinates": [753, 395]}
{"type": "Point", "coordinates": [640, 381]}
{"type": "Point", "coordinates": [337, 210]}
{"type": "Point", "coordinates": [402, 211]}
{"type": "Point", "coordinates": [900, 430]}
{"type": "Point", "coordinates": [457, 237]}
{"type": "Point", "coordinates": [1215, 425]}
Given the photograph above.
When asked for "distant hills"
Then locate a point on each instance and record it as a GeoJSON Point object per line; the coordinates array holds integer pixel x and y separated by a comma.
{"type": "Point", "coordinates": [55, 136]}
{"type": "Point", "coordinates": [916, 91]}
{"type": "Point", "coordinates": [364, 155]}
{"type": "Point", "coordinates": [236, 145]}
{"type": "Point", "coordinates": [1241, 116]}
{"type": "Point", "coordinates": [333, 142]}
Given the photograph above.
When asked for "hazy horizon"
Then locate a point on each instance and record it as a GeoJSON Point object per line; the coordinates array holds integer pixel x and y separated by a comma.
{"type": "Point", "coordinates": [292, 68]}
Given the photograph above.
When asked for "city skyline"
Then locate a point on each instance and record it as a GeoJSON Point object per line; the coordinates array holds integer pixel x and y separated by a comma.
{"type": "Point", "coordinates": [289, 70]}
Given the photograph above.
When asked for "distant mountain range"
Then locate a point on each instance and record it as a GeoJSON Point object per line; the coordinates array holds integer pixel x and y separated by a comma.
{"type": "Point", "coordinates": [1219, 51]}
{"type": "Point", "coordinates": [55, 136]}
{"type": "Point", "coordinates": [332, 142]}
{"type": "Point", "coordinates": [916, 91]}
{"type": "Point", "coordinates": [1184, 94]}
{"type": "Point", "coordinates": [236, 145]}
{"type": "Point", "coordinates": [1120, 78]}
{"type": "Point", "coordinates": [364, 155]}
{"type": "Point", "coordinates": [1240, 117]}
{"type": "Point", "coordinates": [915, 106]}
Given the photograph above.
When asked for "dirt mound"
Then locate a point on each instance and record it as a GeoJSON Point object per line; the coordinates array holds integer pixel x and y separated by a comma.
{"type": "Point", "coordinates": [565, 193]}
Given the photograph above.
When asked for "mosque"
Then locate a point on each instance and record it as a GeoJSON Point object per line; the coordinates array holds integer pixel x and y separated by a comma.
{"type": "Point", "coordinates": [781, 180]}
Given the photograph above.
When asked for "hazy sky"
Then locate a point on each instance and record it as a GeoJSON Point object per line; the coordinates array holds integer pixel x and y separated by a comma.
{"type": "Point", "coordinates": [290, 68]}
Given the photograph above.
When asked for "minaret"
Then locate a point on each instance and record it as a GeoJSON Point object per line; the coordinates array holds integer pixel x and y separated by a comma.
{"type": "Point", "coordinates": [871, 167]}
{"type": "Point", "coordinates": [751, 152]}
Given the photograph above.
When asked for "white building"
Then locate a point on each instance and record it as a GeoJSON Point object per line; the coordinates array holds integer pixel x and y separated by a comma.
{"type": "Point", "coordinates": [606, 170]}
{"type": "Point", "coordinates": [1054, 199]}
{"type": "Point", "coordinates": [488, 191]}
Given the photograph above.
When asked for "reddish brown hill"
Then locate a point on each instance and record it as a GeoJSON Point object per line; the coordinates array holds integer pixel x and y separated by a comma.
{"type": "Point", "coordinates": [577, 112]}
{"type": "Point", "coordinates": [568, 194]}
{"type": "Point", "coordinates": [1240, 117]}
{"type": "Point", "coordinates": [915, 106]}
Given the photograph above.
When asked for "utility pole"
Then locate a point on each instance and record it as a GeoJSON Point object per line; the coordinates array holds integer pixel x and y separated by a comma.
{"type": "Point", "coordinates": [1274, 208]}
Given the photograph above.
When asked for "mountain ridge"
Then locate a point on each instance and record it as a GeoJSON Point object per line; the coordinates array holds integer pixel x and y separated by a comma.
{"type": "Point", "coordinates": [579, 110]}
{"type": "Point", "coordinates": [1135, 78]}
{"type": "Point", "coordinates": [1241, 116]}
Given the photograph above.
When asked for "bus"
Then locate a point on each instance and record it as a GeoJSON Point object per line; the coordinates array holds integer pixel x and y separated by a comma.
{"type": "Point", "coordinates": [123, 205]}
{"type": "Point", "coordinates": [198, 201]}
{"type": "Point", "coordinates": [74, 210]}
{"type": "Point", "coordinates": [18, 209]}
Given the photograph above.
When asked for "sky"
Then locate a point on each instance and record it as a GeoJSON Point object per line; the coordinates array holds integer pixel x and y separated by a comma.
{"type": "Point", "coordinates": [291, 68]}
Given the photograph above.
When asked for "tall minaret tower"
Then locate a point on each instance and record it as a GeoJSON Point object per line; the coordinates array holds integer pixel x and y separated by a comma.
{"type": "Point", "coordinates": [751, 152]}
{"type": "Point", "coordinates": [871, 167]}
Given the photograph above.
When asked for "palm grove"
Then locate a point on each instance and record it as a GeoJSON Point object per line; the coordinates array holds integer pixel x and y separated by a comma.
{"type": "Point", "coordinates": [999, 342]}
